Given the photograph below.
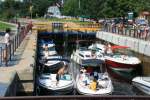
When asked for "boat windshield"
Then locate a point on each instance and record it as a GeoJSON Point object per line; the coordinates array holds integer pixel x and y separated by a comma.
{"type": "Point", "coordinates": [83, 49]}
{"type": "Point", "coordinates": [123, 52]}
{"type": "Point", "coordinates": [99, 69]}
{"type": "Point", "coordinates": [147, 79]}
{"type": "Point", "coordinates": [49, 49]}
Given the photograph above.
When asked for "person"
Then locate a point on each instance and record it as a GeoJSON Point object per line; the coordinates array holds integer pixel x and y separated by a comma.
{"type": "Point", "coordinates": [7, 42]}
{"type": "Point", "coordinates": [109, 50]}
{"type": "Point", "coordinates": [82, 70]}
{"type": "Point", "coordinates": [93, 85]}
{"type": "Point", "coordinates": [45, 47]}
{"type": "Point", "coordinates": [18, 27]}
{"type": "Point", "coordinates": [83, 75]}
{"type": "Point", "coordinates": [46, 53]}
{"type": "Point", "coordinates": [60, 72]}
{"type": "Point", "coordinates": [146, 31]}
{"type": "Point", "coordinates": [93, 53]}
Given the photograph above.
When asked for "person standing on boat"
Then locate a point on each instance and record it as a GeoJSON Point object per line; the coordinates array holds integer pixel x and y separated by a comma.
{"type": "Point", "coordinates": [83, 70]}
{"type": "Point", "coordinates": [83, 76]}
{"type": "Point", "coordinates": [46, 53]}
{"type": "Point", "coordinates": [60, 72]}
{"type": "Point", "coordinates": [109, 49]}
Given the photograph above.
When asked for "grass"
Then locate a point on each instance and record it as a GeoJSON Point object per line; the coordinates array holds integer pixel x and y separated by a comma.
{"type": "Point", "coordinates": [3, 26]}
{"type": "Point", "coordinates": [65, 20]}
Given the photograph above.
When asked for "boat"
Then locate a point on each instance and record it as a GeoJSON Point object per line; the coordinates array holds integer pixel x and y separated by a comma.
{"type": "Point", "coordinates": [51, 48]}
{"type": "Point", "coordinates": [43, 42]}
{"type": "Point", "coordinates": [142, 83]}
{"type": "Point", "coordinates": [86, 57]}
{"type": "Point", "coordinates": [119, 62]}
{"type": "Point", "coordinates": [104, 83]}
{"type": "Point", "coordinates": [51, 63]}
{"type": "Point", "coordinates": [126, 75]}
{"type": "Point", "coordinates": [47, 80]}
{"type": "Point", "coordinates": [100, 48]}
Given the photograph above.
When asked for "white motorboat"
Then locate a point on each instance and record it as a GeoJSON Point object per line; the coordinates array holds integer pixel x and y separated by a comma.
{"type": "Point", "coordinates": [142, 83]}
{"type": "Point", "coordinates": [86, 57]}
{"type": "Point", "coordinates": [118, 61]}
{"type": "Point", "coordinates": [46, 44]}
{"type": "Point", "coordinates": [48, 81]}
{"type": "Point", "coordinates": [104, 84]}
{"type": "Point", "coordinates": [51, 51]}
{"type": "Point", "coordinates": [98, 47]}
{"type": "Point", "coordinates": [52, 63]}
{"type": "Point", "coordinates": [42, 43]}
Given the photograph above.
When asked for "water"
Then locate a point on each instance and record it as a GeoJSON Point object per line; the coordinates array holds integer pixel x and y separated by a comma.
{"type": "Point", "coordinates": [121, 85]}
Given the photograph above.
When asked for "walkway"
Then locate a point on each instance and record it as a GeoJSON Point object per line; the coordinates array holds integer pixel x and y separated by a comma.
{"type": "Point", "coordinates": [20, 64]}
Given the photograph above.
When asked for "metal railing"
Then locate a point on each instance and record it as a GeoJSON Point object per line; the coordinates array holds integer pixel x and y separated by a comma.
{"type": "Point", "coordinates": [6, 52]}
{"type": "Point", "coordinates": [127, 30]}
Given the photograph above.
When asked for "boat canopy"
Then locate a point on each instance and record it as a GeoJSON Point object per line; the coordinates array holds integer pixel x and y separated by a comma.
{"type": "Point", "coordinates": [118, 47]}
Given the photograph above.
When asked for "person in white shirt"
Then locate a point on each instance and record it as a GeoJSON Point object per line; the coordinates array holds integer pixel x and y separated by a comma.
{"type": "Point", "coordinates": [7, 37]}
{"type": "Point", "coordinates": [46, 52]}
{"type": "Point", "coordinates": [7, 42]}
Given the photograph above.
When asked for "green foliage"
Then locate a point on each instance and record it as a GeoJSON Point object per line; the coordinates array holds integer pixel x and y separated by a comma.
{"type": "Point", "coordinates": [12, 8]}
{"type": "Point", "coordinates": [89, 8]}
{"type": "Point", "coordinates": [105, 8]}
{"type": "Point", "coordinates": [71, 8]}
{"type": "Point", "coordinates": [3, 26]}
{"type": "Point", "coordinates": [40, 6]}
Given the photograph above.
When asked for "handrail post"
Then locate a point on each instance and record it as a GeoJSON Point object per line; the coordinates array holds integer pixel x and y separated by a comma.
{"type": "Point", "coordinates": [9, 47]}
{"type": "Point", "coordinates": [1, 54]}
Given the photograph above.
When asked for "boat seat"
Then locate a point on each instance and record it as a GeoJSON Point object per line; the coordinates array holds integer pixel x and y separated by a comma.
{"type": "Point", "coordinates": [99, 87]}
{"type": "Point", "coordinates": [53, 77]}
{"type": "Point", "coordinates": [66, 77]}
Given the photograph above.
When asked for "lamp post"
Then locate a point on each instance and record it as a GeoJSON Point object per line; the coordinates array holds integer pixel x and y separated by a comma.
{"type": "Point", "coordinates": [31, 8]}
{"type": "Point", "coordinates": [79, 4]}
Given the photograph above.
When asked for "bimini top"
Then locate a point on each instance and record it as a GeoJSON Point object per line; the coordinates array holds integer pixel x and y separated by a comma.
{"type": "Point", "coordinates": [118, 47]}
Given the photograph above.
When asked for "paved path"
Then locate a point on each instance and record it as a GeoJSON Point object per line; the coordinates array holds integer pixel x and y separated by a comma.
{"type": "Point", "coordinates": [23, 58]}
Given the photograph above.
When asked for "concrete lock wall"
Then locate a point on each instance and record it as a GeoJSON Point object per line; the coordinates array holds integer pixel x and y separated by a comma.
{"type": "Point", "coordinates": [8, 86]}
{"type": "Point", "coordinates": [136, 45]}
{"type": "Point", "coordinates": [12, 88]}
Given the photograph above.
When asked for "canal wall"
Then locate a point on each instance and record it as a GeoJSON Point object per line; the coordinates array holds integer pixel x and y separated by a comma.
{"type": "Point", "coordinates": [8, 86]}
{"type": "Point", "coordinates": [18, 76]}
{"type": "Point", "coordinates": [136, 45]}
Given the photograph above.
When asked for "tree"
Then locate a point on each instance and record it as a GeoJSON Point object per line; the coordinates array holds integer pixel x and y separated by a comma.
{"type": "Point", "coordinates": [11, 8]}
{"type": "Point", "coordinates": [71, 8]}
{"type": "Point", "coordinates": [105, 8]}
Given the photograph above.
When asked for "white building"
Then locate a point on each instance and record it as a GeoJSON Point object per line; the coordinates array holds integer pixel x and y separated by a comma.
{"type": "Point", "coordinates": [53, 11]}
